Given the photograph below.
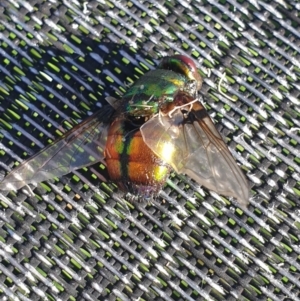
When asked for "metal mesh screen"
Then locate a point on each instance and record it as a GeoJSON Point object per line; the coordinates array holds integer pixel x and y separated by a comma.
{"type": "Point", "coordinates": [74, 240]}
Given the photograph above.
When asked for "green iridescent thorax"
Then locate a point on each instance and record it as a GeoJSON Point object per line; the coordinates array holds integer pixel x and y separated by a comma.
{"type": "Point", "coordinates": [151, 90]}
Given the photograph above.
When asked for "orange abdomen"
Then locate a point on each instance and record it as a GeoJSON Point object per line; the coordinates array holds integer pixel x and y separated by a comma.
{"type": "Point", "coordinates": [130, 163]}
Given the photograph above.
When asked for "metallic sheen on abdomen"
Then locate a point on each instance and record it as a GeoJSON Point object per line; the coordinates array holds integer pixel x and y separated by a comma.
{"type": "Point", "coordinates": [130, 163]}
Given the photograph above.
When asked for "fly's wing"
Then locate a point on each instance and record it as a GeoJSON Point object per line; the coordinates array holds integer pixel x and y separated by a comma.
{"type": "Point", "coordinates": [192, 145]}
{"type": "Point", "coordinates": [79, 147]}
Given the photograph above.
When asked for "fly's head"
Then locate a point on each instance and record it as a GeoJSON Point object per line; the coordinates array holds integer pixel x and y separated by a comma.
{"type": "Point", "coordinates": [186, 66]}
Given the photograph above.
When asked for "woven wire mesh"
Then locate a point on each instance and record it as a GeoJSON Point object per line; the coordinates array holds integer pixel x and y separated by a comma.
{"type": "Point", "coordinates": [74, 240]}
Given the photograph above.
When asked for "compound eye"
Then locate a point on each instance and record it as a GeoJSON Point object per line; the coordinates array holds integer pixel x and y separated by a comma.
{"type": "Point", "coordinates": [184, 65]}
{"type": "Point", "coordinates": [187, 61]}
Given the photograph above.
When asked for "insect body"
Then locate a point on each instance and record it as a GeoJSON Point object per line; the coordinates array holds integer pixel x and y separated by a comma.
{"type": "Point", "coordinates": [159, 124]}
{"type": "Point", "coordinates": [130, 162]}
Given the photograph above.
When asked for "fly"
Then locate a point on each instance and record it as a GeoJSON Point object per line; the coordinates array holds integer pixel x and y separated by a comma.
{"type": "Point", "coordinates": [159, 125]}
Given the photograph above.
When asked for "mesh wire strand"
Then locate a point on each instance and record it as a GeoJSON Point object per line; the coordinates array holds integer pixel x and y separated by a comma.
{"type": "Point", "coordinates": [74, 240]}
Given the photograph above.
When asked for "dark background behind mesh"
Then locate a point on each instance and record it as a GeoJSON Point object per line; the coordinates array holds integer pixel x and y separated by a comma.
{"type": "Point", "coordinates": [74, 240]}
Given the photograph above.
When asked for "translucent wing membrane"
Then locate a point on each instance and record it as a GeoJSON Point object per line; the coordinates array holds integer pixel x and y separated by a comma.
{"type": "Point", "coordinates": [192, 145]}
{"type": "Point", "coordinates": [82, 146]}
